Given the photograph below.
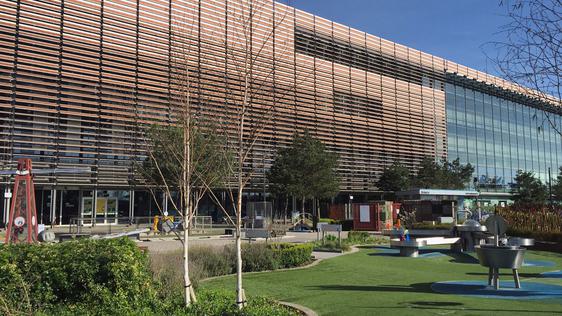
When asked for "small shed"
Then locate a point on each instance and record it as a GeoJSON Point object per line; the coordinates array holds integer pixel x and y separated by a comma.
{"type": "Point", "coordinates": [375, 215]}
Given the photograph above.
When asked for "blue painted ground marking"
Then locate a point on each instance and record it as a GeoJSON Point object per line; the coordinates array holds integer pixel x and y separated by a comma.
{"type": "Point", "coordinates": [552, 274]}
{"type": "Point", "coordinates": [538, 263]}
{"type": "Point", "coordinates": [528, 290]}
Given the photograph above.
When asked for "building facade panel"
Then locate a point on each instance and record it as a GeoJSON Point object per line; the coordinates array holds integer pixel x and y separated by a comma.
{"type": "Point", "coordinates": [79, 80]}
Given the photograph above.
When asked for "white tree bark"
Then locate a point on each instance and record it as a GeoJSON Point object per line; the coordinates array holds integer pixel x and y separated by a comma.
{"type": "Point", "coordinates": [186, 281]}
{"type": "Point", "coordinates": [240, 297]}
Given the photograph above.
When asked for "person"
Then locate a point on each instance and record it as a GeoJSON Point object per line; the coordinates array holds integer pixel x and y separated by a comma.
{"type": "Point", "coordinates": [399, 230]}
{"type": "Point", "coordinates": [479, 211]}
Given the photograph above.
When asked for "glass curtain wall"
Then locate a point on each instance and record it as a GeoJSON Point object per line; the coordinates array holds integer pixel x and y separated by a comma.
{"type": "Point", "coordinates": [499, 136]}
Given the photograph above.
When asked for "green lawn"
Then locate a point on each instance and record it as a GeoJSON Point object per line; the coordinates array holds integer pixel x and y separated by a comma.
{"type": "Point", "coordinates": [364, 283]}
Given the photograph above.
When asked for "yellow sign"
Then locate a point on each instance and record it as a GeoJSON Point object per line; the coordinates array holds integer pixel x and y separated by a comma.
{"type": "Point", "coordinates": [100, 206]}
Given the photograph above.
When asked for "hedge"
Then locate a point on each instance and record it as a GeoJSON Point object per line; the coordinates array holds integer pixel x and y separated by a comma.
{"type": "Point", "coordinates": [532, 219]}
{"type": "Point", "coordinates": [221, 302]}
{"type": "Point", "coordinates": [112, 274]}
{"type": "Point", "coordinates": [537, 235]}
{"type": "Point", "coordinates": [113, 277]}
{"type": "Point", "coordinates": [291, 255]}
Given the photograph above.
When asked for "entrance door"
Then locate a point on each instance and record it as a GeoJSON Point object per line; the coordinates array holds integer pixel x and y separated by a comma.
{"type": "Point", "coordinates": [87, 207]}
{"type": "Point", "coordinates": [106, 210]}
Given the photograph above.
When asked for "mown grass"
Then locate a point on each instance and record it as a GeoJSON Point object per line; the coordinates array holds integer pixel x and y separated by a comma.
{"type": "Point", "coordinates": [371, 283]}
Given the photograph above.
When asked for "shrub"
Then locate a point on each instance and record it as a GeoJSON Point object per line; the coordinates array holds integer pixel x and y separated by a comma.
{"type": "Point", "coordinates": [112, 274]}
{"type": "Point", "coordinates": [204, 262]}
{"type": "Point", "coordinates": [364, 238]}
{"type": "Point", "coordinates": [332, 245]}
{"type": "Point", "coordinates": [112, 277]}
{"type": "Point", "coordinates": [291, 255]}
{"type": "Point", "coordinates": [544, 219]}
{"type": "Point", "coordinates": [208, 261]}
{"type": "Point", "coordinates": [537, 235]}
{"type": "Point", "coordinates": [358, 237]}
{"type": "Point", "coordinates": [424, 225]}
{"type": "Point", "coordinates": [221, 302]}
{"type": "Point", "coordinates": [258, 257]}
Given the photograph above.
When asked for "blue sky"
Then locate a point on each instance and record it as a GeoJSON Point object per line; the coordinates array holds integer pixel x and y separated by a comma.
{"type": "Point", "coordinates": [452, 29]}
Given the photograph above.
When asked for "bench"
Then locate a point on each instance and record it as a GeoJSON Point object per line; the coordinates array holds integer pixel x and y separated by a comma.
{"type": "Point", "coordinates": [258, 233]}
{"type": "Point", "coordinates": [65, 237]}
{"type": "Point", "coordinates": [135, 234]}
{"type": "Point", "coordinates": [410, 248]}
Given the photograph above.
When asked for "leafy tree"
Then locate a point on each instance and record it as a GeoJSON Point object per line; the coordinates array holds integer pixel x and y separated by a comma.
{"type": "Point", "coordinates": [280, 175]}
{"type": "Point", "coordinates": [394, 178]}
{"type": "Point", "coordinates": [557, 187]}
{"type": "Point", "coordinates": [455, 175]}
{"type": "Point", "coordinates": [443, 175]}
{"type": "Point", "coordinates": [528, 189]}
{"type": "Point", "coordinates": [305, 169]}
{"type": "Point", "coordinates": [187, 158]}
{"type": "Point", "coordinates": [427, 175]}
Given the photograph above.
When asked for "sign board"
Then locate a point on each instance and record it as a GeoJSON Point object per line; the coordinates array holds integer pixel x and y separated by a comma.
{"type": "Point", "coordinates": [448, 192]}
{"type": "Point", "coordinates": [331, 228]}
{"type": "Point", "coordinates": [364, 214]}
{"type": "Point", "coordinates": [8, 195]}
{"type": "Point", "coordinates": [257, 233]}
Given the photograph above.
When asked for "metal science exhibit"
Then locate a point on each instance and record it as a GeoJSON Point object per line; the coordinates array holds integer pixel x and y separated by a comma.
{"type": "Point", "coordinates": [22, 224]}
{"type": "Point", "coordinates": [503, 253]}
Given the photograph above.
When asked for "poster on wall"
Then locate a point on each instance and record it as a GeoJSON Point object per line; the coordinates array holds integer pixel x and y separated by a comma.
{"type": "Point", "coordinates": [101, 203]}
{"type": "Point", "coordinates": [364, 214]}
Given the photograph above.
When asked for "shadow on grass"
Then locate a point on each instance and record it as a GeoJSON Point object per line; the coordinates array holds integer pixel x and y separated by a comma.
{"type": "Point", "coordinates": [435, 304]}
{"type": "Point", "coordinates": [371, 247]}
{"type": "Point", "coordinates": [459, 257]}
{"type": "Point", "coordinates": [416, 288]}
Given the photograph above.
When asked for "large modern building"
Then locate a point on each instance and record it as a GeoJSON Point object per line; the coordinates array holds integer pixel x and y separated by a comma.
{"type": "Point", "coordinates": [80, 78]}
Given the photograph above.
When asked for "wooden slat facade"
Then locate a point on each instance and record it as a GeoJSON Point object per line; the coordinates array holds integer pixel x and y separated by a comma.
{"type": "Point", "coordinates": [77, 77]}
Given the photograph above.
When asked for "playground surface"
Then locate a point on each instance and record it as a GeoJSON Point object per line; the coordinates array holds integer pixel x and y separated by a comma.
{"type": "Point", "coordinates": [374, 281]}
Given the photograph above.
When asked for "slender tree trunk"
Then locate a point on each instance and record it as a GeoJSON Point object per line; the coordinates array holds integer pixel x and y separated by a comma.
{"type": "Point", "coordinates": [240, 296]}
{"type": "Point", "coordinates": [302, 210]}
{"type": "Point", "coordinates": [188, 287]}
{"type": "Point", "coordinates": [286, 207]}
{"type": "Point", "coordinates": [189, 293]}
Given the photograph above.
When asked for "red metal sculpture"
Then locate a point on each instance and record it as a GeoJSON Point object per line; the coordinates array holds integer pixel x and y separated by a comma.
{"type": "Point", "coordinates": [22, 225]}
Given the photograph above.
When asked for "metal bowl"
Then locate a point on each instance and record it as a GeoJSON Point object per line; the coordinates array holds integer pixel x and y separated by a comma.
{"type": "Point", "coordinates": [506, 257]}
{"type": "Point", "coordinates": [521, 242]}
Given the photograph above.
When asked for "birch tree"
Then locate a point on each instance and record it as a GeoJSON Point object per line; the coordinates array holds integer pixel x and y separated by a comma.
{"type": "Point", "coordinates": [187, 157]}
{"type": "Point", "coordinates": [252, 55]}
{"type": "Point", "coordinates": [239, 64]}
